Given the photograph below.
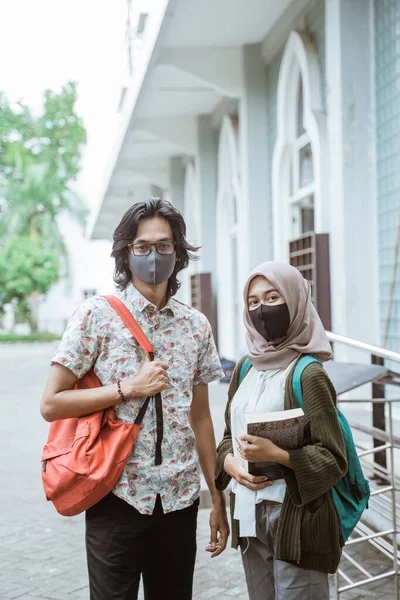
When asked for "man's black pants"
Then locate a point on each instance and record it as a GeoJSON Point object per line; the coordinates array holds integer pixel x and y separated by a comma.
{"type": "Point", "coordinates": [122, 544]}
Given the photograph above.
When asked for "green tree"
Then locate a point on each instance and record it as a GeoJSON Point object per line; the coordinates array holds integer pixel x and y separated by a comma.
{"type": "Point", "coordinates": [40, 157]}
{"type": "Point", "coordinates": [26, 268]}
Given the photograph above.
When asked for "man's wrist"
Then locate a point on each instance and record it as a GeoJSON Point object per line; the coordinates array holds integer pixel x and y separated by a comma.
{"type": "Point", "coordinates": [129, 390]}
{"type": "Point", "coordinates": [115, 391]}
{"type": "Point", "coordinates": [122, 398]}
{"type": "Point", "coordinates": [217, 497]}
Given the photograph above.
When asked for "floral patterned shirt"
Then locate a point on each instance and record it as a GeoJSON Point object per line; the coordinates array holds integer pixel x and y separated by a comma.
{"type": "Point", "coordinates": [182, 337]}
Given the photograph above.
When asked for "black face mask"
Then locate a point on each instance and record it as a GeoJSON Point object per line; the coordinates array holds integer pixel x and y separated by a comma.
{"type": "Point", "coordinates": [272, 322]}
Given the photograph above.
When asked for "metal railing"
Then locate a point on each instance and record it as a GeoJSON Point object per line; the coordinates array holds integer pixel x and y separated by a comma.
{"type": "Point", "coordinates": [369, 348]}
{"type": "Point", "coordinates": [384, 482]}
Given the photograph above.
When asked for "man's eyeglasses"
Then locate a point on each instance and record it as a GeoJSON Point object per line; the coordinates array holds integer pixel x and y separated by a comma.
{"type": "Point", "coordinates": [144, 248]}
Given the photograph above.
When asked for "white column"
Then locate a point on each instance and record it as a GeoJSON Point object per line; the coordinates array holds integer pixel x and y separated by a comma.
{"type": "Point", "coordinates": [177, 179]}
{"type": "Point", "coordinates": [207, 164]}
{"type": "Point", "coordinates": [255, 218]}
{"type": "Point", "coordinates": [352, 195]}
{"type": "Point", "coordinates": [255, 209]}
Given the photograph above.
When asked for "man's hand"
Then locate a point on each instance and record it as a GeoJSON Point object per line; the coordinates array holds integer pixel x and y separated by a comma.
{"type": "Point", "coordinates": [219, 528]}
{"type": "Point", "coordinates": [151, 379]}
{"type": "Point", "coordinates": [234, 466]}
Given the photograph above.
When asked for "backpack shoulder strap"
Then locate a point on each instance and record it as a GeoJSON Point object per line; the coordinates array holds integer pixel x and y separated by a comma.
{"type": "Point", "coordinates": [303, 362]}
{"type": "Point", "coordinates": [128, 319]}
{"type": "Point", "coordinates": [244, 369]}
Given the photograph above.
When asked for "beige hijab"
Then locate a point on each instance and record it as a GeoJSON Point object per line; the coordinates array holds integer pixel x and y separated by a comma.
{"type": "Point", "coordinates": [306, 334]}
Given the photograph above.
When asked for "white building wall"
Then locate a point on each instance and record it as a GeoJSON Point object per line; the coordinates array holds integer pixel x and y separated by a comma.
{"type": "Point", "coordinates": [230, 232]}
{"type": "Point", "coordinates": [341, 35]}
{"type": "Point", "coordinates": [207, 165]}
{"type": "Point", "coordinates": [352, 174]}
{"type": "Point", "coordinates": [387, 60]}
{"type": "Point", "coordinates": [339, 32]}
{"type": "Point", "coordinates": [255, 207]}
{"type": "Point", "coordinates": [191, 213]}
{"type": "Point", "coordinates": [346, 200]}
{"type": "Point", "coordinates": [199, 206]}
{"type": "Point", "coordinates": [90, 268]}
{"type": "Point", "coordinates": [244, 165]}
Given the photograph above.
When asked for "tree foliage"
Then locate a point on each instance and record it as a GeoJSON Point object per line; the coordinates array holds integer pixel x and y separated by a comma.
{"type": "Point", "coordinates": [26, 267]}
{"type": "Point", "coordinates": [40, 157]}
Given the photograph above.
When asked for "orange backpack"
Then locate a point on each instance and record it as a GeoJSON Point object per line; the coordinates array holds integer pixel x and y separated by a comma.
{"type": "Point", "coordinates": [84, 457]}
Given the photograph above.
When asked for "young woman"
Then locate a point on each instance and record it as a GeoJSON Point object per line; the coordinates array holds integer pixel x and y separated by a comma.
{"type": "Point", "coordinates": [288, 529]}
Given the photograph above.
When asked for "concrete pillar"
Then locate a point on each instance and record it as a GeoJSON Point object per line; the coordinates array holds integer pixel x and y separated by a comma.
{"type": "Point", "coordinates": [255, 209]}
{"type": "Point", "coordinates": [352, 187]}
{"type": "Point", "coordinates": [177, 178]}
{"type": "Point", "coordinates": [207, 165]}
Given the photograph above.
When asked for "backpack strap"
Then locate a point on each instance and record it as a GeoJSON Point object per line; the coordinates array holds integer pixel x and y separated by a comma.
{"type": "Point", "coordinates": [244, 369]}
{"type": "Point", "coordinates": [303, 362]}
{"type": "Point", "coordinates": [129, 320]}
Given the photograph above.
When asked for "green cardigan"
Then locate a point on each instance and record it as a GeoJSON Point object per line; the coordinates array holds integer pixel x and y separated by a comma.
{"type": "Point", "coordinates": [309, 533]}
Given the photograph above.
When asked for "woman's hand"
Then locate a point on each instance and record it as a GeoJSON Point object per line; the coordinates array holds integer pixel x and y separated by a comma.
{"type": "Point", "coordinates": [234, 466]}
{"type": "Point", "coordinates": [258, 449]}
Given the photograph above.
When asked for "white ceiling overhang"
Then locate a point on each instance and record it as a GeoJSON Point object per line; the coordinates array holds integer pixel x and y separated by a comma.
{"type": "Point", "coordinates": [191, 61]}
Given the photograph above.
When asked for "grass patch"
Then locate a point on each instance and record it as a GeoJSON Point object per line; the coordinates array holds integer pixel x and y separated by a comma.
{"type": "Point", "coordinates": [32, 337]}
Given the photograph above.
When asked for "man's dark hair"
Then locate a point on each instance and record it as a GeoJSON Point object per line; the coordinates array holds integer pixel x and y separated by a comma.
{"type": "Point", "coordinates": [126, 232]}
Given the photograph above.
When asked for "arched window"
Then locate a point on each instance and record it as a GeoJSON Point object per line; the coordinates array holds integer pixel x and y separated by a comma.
{"type": "Point", "coordinates": [228, 232]}
{"type": "Point", "coordinates": [298, 166]}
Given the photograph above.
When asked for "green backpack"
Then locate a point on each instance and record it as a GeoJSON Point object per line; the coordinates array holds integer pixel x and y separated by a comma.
{"type": "Point", "coordinates": [351, 494]}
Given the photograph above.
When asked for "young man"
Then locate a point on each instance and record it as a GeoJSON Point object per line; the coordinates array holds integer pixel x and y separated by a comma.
{"type": "Point", "coordinates": [147, 525]}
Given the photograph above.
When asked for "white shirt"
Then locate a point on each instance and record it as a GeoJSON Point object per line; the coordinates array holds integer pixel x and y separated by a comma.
{"type": "Point", "coordinates": [260, 391]}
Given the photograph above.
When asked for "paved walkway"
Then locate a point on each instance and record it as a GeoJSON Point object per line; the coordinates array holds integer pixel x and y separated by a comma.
{"type": "Point", "coordinates": [41, 553]}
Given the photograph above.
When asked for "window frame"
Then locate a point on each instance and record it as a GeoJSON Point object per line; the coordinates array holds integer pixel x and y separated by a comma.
{"type": "Point", "coordinates": [299, 67]}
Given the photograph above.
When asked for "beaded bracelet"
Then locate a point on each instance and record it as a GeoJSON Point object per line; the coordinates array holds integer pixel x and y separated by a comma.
{"type": "Point", "coordinates": [121, 395]}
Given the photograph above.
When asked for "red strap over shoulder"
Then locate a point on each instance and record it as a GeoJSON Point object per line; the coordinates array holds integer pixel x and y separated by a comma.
{"type": "Point", "coordinates": [128, 319]}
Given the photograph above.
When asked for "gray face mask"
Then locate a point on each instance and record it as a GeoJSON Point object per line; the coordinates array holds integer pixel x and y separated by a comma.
{"type": "Point", "coordinates": [154, 268]}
